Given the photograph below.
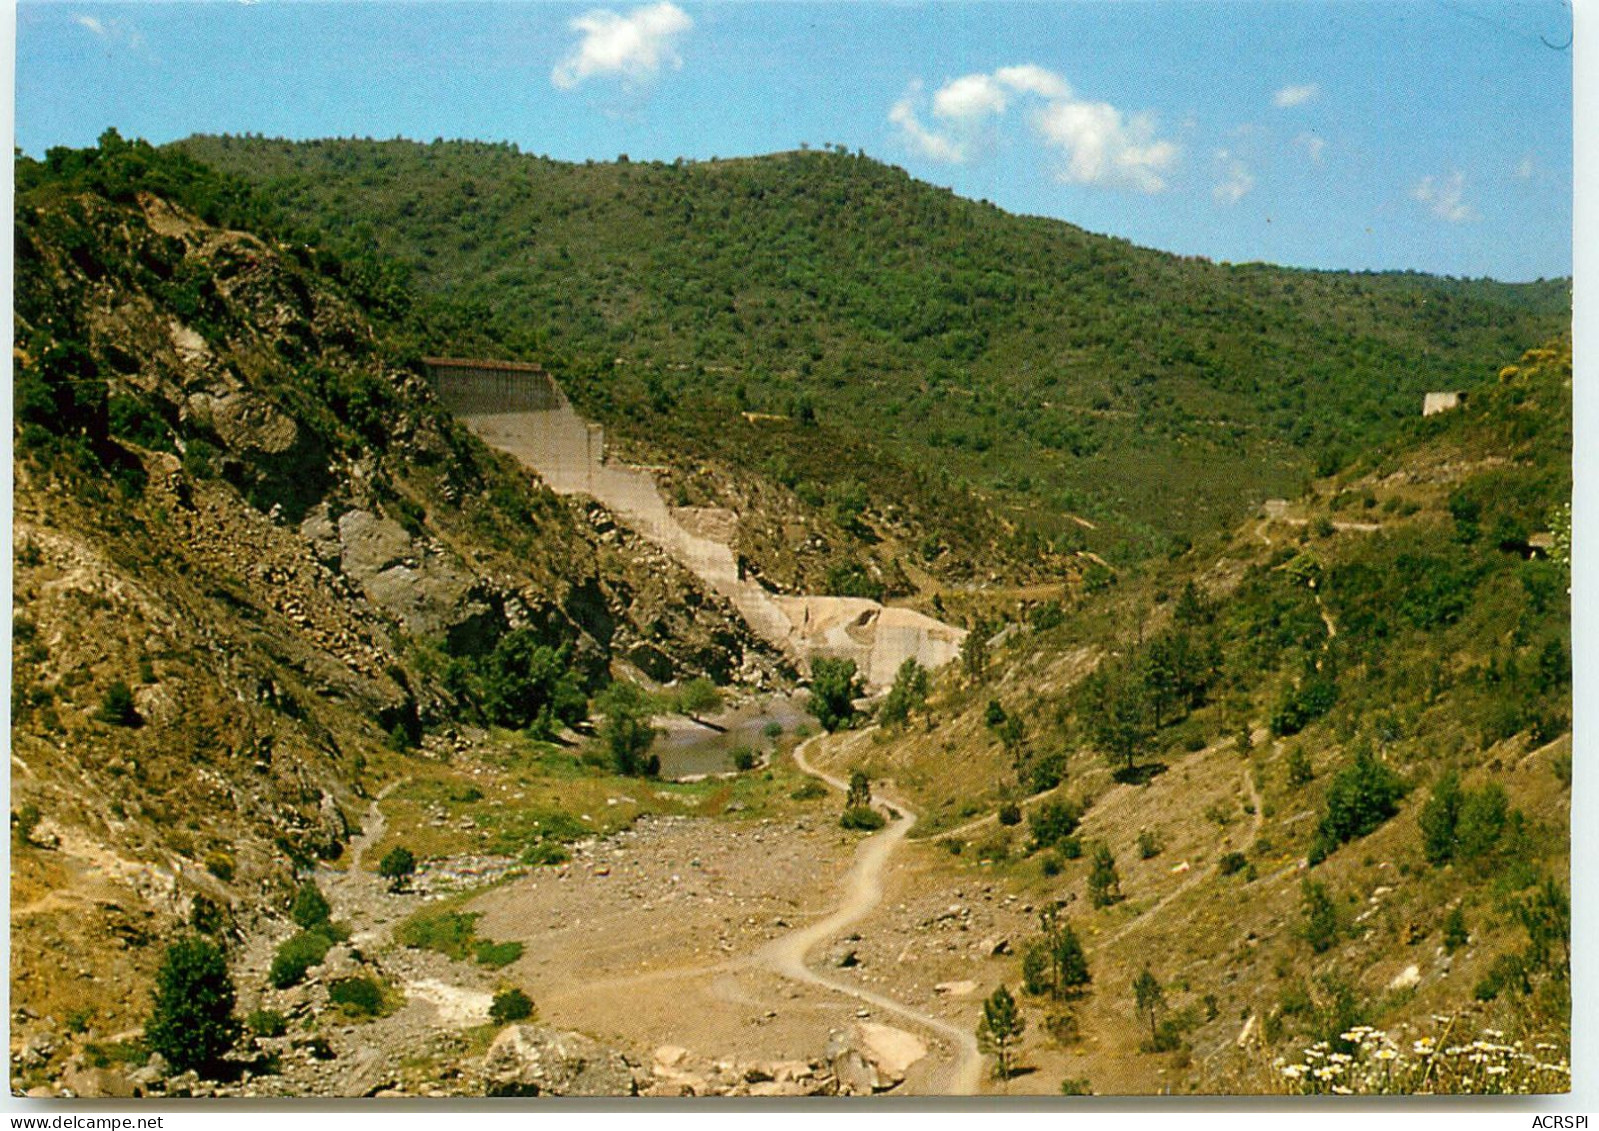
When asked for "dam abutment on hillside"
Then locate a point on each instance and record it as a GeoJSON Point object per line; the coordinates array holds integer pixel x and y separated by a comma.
{"type": "Point", "coordinates": [521, 409]}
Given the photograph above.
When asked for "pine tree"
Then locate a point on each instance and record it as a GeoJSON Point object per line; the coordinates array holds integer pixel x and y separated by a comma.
{"type": "Point", "coordinates": [999, 1030]}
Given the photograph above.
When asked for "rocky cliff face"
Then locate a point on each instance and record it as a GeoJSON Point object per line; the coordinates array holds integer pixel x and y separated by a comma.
{"type": "Point", "coordinates": [255, 564]}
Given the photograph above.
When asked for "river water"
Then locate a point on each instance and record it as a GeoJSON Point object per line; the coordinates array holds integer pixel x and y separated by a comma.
{"type": "Point", "coordinates": [687, 748]}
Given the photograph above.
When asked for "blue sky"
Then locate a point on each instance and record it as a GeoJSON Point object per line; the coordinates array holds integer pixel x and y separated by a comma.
{"type": "Point", "coordinates": [1433, 135]}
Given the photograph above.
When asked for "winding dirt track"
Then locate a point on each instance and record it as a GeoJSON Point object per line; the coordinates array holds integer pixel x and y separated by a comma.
{"type": "Point", "coordinates": [863, 890]}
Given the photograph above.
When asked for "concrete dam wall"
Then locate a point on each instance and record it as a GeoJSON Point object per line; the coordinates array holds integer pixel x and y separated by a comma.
{"type": "Point", "coordinates": [522, 411]}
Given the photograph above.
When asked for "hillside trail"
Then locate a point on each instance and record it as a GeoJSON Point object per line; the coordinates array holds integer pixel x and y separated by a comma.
{"type": "Point", "coordinates": [862, 892]}
{"type": "Point", "coordinates": [356, 889]}
{"type": "Point", "coordinates": [1195, 878]}
{"type": "Point", "coordinates": [859, 893]}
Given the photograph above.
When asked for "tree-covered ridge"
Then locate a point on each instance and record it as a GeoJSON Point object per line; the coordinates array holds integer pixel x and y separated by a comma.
{"type": "Point", "coordinates": [1055, 369]}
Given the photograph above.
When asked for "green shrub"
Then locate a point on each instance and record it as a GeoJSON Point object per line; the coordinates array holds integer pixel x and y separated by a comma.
{"type": "Point", "coordinates": [117, 708]}
{"type": "Point", "coordinates": [220, 865]}
{"type": "Point", "coordinates": [1148, 845]}
{"type": "Point", "coordinates": [1232, 862]}
{"type": "Point", "coordinates": [743, 758]}
{"type": "Point", "coordinates": [1321, 927]}
{"type": "Point", "coordinates": [809, 790]}
{"type": "Point", "coordinates": [545, 852]}
{"type": "Point", "coordinates": [1076, 1086]}
{"type": "Point", "coordinates": [1071, 848]}
{"type": "Point", "coordinates": [496, 954]}
{"type": "Point", "coordinates": [310, 907]}
{"type": "Point", "coordinates": [397, 866]}
{"type": "Point", "coordinates": [1010, 814]}
{"type": "Point", "coordinates": [192, 1023]}
{"type": "Point", "coordinates": [1455, 933]}
{"type": "Point", "coordinates": [510, 1005]}
{"type": "Point", "coordinates": [360, 995]}
{"type": "Point", "coordinates": [24, 821]}
{"type": "Point", "coordinates": [1053, 821]}
{"type": "Point", "coordinates": [267, 1023]}
{"type": "Point", "coordinates": [862, 818]}
{"type": "Point", "coordinates": [996, 848]}
{"type": "Point", "coordinates": [448, 932]}
{"type": "Point", "coordinates": [1051, 864]}
{"type": "Point", "coordinates": [297, 955]}
{"type": "Point", "coordinates": [1300, 772]}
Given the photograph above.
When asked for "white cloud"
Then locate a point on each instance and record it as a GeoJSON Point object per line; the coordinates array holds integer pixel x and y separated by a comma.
{"type": "Point", "coordinates": [1101, 144]}
{"type": "Point", "coordinates": [1312, 145]}
{"type": "Point", "coordinates": [1235, 181]}
{"type": "Point", "coordinates": [1445, 199]}
{"type": "Point", "coordinates": [1290, 96]}
{"type": "Point", "coordinates": [111, 32]}
{"type": "Point", "coordinates": [1105, 147]}
{"type": "Point", "coordinates": [1526, 168]}
{"type": "Point", "coordinates": [969, 98]}
{"type": "Point", "coordinates": [1029, 78]}
{"type": "Point", "coordinates": [928, 143]}
{"type": "Point", "coordinates": [633, 47]}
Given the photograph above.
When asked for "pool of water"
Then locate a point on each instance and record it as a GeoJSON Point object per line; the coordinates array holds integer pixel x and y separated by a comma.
{"type": "Point", "coordinates": [688, 748]}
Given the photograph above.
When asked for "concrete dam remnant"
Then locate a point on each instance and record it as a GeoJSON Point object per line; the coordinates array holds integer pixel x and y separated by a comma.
{"type": "Point", "coordinates": [521, 410]}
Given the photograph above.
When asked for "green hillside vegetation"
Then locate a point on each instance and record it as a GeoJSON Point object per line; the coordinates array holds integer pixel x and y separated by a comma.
{"type": "Point", "coordinates": [1375, 686]}
{"type": "Point", "coordinates": [1053, 371]}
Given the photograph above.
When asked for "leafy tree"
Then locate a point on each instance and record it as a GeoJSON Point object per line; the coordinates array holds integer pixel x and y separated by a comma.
{"type": "Point", "coordinates": [908, 693]}
{"type": "Point", "coordinates": [626, 730]}
{"type": "Point", "coordinates": [1359, 800]}
{"type": "Point", "coordinates": [1192, 608]}
{"type": "Point", "coordinates": [1068, 963]}
{"type": "Point", "coordinates": [1000, 1029]}
{"type": "Point", "coordinates": [310, 907]}
{"type": "Point", "coordinates": [974, 652]}
{"type": "Point", "coordinates": [397, 866]}
{"type": "Point", "coordinates": [834, 687]}
{"type": "Point", "coordinates": [698, 697]}
{"type": "Point", "coordinates": [860, 790]}
{"type": "Point", "coordinates": [528, 684]}
{"type": "Point", "coordinates": [1547, 918]}
{"type": "Point", "coordinates": [192, 1023]}
{"type": "Point", "coordinates": [1151, 999]}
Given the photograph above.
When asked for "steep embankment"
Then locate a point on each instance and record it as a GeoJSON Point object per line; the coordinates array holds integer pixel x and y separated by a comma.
{"type": "Point", "coordinates": [256, 565]}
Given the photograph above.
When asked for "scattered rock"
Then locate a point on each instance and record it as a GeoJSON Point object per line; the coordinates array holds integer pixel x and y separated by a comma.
{"type": "Point", "coordinates": [1406, 978]}
{"type": "Point", "coordinates": [528, 1060]}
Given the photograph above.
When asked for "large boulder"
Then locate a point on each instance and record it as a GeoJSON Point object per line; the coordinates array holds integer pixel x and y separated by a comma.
{"type": "Point", "coordinates": [529, 1060]}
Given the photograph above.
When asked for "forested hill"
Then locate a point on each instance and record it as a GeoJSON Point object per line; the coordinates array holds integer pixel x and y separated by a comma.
{"type": "Point", "coordinates": [1054, 370]}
